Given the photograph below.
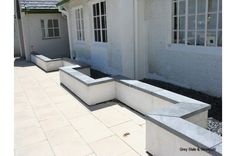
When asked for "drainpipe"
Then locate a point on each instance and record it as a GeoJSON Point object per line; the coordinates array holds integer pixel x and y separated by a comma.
{"type": "Point", "coordinates": [135, 28]}
{"type": "Point", "coordinates": [66, 13]}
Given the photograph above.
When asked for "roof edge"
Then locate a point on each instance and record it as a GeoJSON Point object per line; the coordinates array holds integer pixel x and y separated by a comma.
{"type": "Point", "coordinates": [62, 2]}
{"type": "Point", "coordinates": [40, 10]}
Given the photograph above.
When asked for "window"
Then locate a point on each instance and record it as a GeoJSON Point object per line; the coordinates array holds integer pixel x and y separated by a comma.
{"type": "Point", "coordinates": [50, 28]}
{"type": "Point", "coordinates": [79, 24]}
{"type": "Point", "coordinates": [197, 22]}
{"type": "Point", "coordinates": [100, 22]}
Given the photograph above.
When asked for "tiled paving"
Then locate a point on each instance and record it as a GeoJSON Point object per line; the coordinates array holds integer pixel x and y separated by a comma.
{"type": "Point", "coordinates": [50, 121]}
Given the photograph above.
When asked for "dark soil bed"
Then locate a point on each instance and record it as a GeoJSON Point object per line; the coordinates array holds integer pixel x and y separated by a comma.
{"type": "Point", "coordinates": [97, 74]}
{"type": "Point", "coordinates": [216, 103]}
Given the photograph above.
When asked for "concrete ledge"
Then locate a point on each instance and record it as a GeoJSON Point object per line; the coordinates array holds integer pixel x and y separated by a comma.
{"type": "Point", "coordinates": [179, 133]}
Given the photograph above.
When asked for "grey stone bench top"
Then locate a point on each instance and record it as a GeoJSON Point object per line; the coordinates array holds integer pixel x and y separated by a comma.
{"type": "Point", "coordinates": [190, 132]}
{"type": "Point", "coordinates": [182, 110]}
{"type": "Point", "coordinates": [87, 80]}
{"type": "Point", "coordinates": [75, 62]}
{"type": "Point", "coordinates": [158, 92]}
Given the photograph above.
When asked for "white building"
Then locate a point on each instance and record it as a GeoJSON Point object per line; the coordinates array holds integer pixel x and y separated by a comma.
{"type": "Point", "coordinates": [40, 27]}
{"type": "Point", "coordinates": [178, 41]}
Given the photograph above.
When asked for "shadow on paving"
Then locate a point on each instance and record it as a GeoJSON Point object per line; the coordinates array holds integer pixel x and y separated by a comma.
{"type": "Point", "coordinates": [21, 62]}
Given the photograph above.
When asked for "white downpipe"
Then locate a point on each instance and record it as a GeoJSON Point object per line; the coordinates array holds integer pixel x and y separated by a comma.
{"type": "Point", "coordinates": [68, 28]}
{"type": "Point", "coordinates": [135, 24]}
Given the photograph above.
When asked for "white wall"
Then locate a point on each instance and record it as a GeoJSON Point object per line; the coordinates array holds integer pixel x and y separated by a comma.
{"type": "Point", "coordinates": [198, 68]}
{"type": "Point", "coordinates": [33, 41]}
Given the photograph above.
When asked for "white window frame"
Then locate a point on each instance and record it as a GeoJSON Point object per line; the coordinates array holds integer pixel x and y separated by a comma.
{"type": "Point", "coordinates": [45, 28]}
{"type": "Point", "coordinates": [79, 23]}
{"type": "Point", "coordinates": [217, 30]}
{"type": "Point", "coordinates": [100, 16]}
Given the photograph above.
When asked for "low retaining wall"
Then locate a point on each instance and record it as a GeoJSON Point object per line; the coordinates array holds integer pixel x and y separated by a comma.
{"type": "Point", "coordinates": [49, 65]}
{"type": "Point", "coordinates": [173, 121]}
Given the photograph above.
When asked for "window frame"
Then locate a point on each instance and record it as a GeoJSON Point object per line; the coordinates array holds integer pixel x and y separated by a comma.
{"type": "Point", "coordinates": [100, 17]}
{"type": "Point", "coordinates": [45, 29]}
{"type": "Point", "coordinates": [82, 24]}
{"type": "Point", "coordinates": [195, 14]}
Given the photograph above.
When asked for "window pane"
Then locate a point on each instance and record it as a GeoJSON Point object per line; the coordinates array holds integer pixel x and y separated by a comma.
{"type": "Point", "coordinates": [212, 5]}
{"type": "Point", "coordinates": [191, 6]}
{"type": "Point", "coordinates": [200, 38]}
{"type": "Point", "coordinates": [220, 7]}
{"type": "Point", "coordinates": [201, 22]}
{"type": "Point", "coordinates": [55, 23]}
{"type": "Point", "coordinates": [43, 33]}
{"type": "Point", "coordinates": [220, 21]}
{"type": "Point", "coordinates": [42, 23]}
{"type": "Point", "coordinates": [191, 38]}
{"type": "Point", "coordinates": [201, 6]}
{"type": "Point", "coordinates": [49, 23]}
{"type": "Point", "coordinates": [98, 22]}
{"type": "Point", "coordinates": [103, 10]}
{"type": "Point", "coordinates": [95, 35]}
{"type": "Point", "coordinates": [50, 32]}
{"type": "Point", "coordinates": [94, 10]}
{"type": "Point", "coordinates": [175, 23]}
{"type": "Point", "coordinates": [182, 23]}
{"type": "Point", "coordinates": [219, 42]}
{"type": "Point", "coordinates": [104, 35]}
{"type": "Point", "coordinates": [175, 8]}
{"type": "Point", "coordinates": [82, 24]}
{"type": "Point", "coordinates": [99, 35]}
{"type": "Point", "coordinates": [56, 32]}
{"type": "Point", "coordinates": [104, 22]}
{"type": "Point", "coordinates": [182, 7]}
{"type": "Point", "coordinates": [181, 37]}
{"type": "Point", "coordinates": [191, 22]}
{"type": "Point", "coordinates": [211, 21]}
{"type": "Point", "coordinates": [174, 37]}
{"type": "Point", "coordinates": [97, 9]}
{"type": "Point", "coordinates": [83, 38]}
{"type": "Point", "coordinates": [211, 38]}
{"type": "Point", "coordinates": [81, 12]}
{"type": "Point", "coordinates": [95, 22]}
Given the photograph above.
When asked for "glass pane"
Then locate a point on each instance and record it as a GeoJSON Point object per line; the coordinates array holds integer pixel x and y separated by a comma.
{"type": "Point", "coordinates": [97, 9]}
{"type": "Point", "coordinates": [201, 6]}
{"type": "Point", "coordinates": [55, 23]}
{"type": "Point", "coordinates": [103, 11]}
{"type": "Point", "coordinates": [182, 37]}
{"type": "Point", "coordinates": [104, 35]}
{"type": "Point", "coordinates": [181, 23]}
{"type": "Point", "coordinates": [191, 6]}
{"type": "Point", "coordinates": [211, 38]}
{"type": "Point", "coordinates": [182, 7]}
{"type": "Point", "coordinates": [56, 32]}
{"type": "Point", "coordinates": [81, 12]}
{"type": "Point", "coordinates": [98, 22]}
{"type": "Point", "coordinates": [50, 32]}
{"type": "Point", "coordinates": [174, 23]}
{"type": "Point", "coordinates": [43, 33]}
{"type": "Point", "coordinates": [201, 22]}
{"type": "Point", "coordinates": [83, 38]}
{"type": "Point", "coordinates": [174, 37]}
{"type": "Point", "coordinates": [191, 38]}
{"type": "Point", "coordinates": [95, 22]}
{"type": "Point", "coordinates": [220, 7]}
{"type": "Point", "coordinates": [42, 23]}
{"type": "Point", "coordinates": [99, 35]}
{"type": "Point", "coordinates": [211, 21]}
{"type": "Point", "coordinates": [79, 25]}
{"type": "Point", "coordinates": [94, 9]}
{"type": "Point", "coordinates": [104, 22]}
{"type": "Point", "coordinates": [191, 22]}
{"type": "Point", "coordinates": [95, 35]}
{"type": "Point", "coordinates": [174, 9]}
{"type": "Point", "coordinates": [220, 21]}
{"type": "Point", "coordinates": [82, 24]}
{"type": "Point", "coordinates": [49, 23]}
{"type": "Point", "coordinates": [219, 42]}
{"type": "Point", "coordinates": [78, 35]}
{"type": "Point", "coordinates": [212, 5]}
{"type": "Point", "coordinates": [200, 38]}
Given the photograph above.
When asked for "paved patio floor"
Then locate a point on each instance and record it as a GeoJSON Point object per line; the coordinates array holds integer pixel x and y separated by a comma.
{"type": "Point", "coordinates": [49, 120]}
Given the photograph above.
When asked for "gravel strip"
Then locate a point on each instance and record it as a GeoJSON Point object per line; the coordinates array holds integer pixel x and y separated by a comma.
{"type": "Point", "coordinates": [215, 126]}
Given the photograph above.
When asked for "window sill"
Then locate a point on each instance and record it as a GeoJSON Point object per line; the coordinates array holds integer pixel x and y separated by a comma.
{"type": "Point", "coordinates": [48, 38]}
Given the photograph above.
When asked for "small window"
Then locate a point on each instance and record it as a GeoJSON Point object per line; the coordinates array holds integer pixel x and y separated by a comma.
{"type": "Point", "coordinates": [50, 28]}
{"type": "Point", "coordinates": [100, 22]}
{"type": "Point", "coordinates": [79, 24]}
{"type": "Point", "coordinates": [197, 22]}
